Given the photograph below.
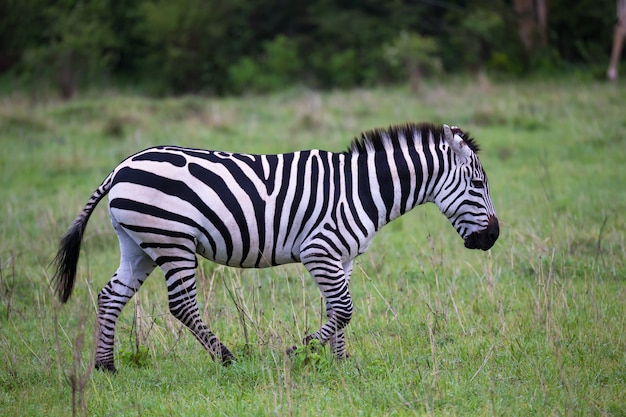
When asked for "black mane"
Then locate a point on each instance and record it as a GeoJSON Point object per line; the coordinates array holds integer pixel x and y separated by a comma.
{"type": "Point", "coordinates": [380, 139]}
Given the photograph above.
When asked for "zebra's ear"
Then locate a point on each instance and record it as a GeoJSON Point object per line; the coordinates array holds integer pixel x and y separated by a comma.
{"type": "Point", "coordinates": [456, 142]}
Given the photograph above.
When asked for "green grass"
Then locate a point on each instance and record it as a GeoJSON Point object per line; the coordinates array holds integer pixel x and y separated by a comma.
{"type": "Point", "coordinates": [536, 326]}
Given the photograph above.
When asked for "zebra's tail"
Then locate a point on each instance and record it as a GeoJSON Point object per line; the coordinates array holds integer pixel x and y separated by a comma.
{"type": "Point", "coordinates": [66, 259]}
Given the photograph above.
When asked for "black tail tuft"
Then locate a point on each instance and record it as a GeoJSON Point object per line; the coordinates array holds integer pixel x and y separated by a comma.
{"type": "Point", "coordinates": [66, 260]}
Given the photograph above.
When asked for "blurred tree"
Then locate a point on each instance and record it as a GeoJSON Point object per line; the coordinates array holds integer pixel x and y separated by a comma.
{"type": "Point", "coordinates": [20, 28]}
{"type": "Point", "coordinates": [416, 55]}
{"type": "Point", "coordinates": [481, 36]}
{"type": "Point", "coordinates": [179, 35]}
{"type": "Point", "coordinates": [221, 47]}
{"type": "Point", "coordinates": [125, 16]}
{"type": "Point", "coordinates": [193, 43]}
{"type": "Point", "coordinates": [345, 44]}
{"type": "Point", "coordinates": [581, 31]}
{"type": "Point", "coordinates": [481, 28]}
{"type": "Point", "coordinates": [78, 39]}
{"type": "Point", "coordinates": [279, 66]}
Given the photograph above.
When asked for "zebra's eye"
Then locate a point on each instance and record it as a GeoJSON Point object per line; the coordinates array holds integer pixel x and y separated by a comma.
{"type": "Point", "coordinates": [478, 184]}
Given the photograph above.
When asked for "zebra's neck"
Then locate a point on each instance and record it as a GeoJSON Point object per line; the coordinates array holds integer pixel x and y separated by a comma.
{"type": "Point", "coordinates": [395, 180]}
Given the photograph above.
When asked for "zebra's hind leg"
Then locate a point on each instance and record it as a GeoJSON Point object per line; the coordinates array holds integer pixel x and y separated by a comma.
{"type": "Point", "coordinates": [135, 266]}
{"type": "Point", "coordinates": [181, 288]}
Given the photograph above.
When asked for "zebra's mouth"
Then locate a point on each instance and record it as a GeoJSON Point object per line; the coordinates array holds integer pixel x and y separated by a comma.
{"type": "Point", "coordinates": [484, 239]}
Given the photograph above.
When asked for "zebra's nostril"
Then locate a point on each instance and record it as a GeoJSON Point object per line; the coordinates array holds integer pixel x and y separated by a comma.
{"type": "Point", "coordinates": [493, 229]}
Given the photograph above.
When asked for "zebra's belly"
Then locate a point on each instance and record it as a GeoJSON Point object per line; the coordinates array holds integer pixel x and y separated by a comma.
{"type": "Point", "coordinates": [253, 259]}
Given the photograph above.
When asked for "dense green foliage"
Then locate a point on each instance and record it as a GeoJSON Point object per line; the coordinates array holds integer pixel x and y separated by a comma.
{"type": "Point", "coordinates": [533, 327]}
{"type": "Point", "coordinates": [217, 47]}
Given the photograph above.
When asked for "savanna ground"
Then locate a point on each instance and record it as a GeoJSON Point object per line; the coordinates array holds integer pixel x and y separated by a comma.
{"type": "Point", "coordinates": [536, 326]}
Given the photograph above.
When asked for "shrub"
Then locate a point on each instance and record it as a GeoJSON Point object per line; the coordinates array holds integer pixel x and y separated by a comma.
{"type": "Point", "coordinates": [79, 40]}
{"type": "Point", "coordinates": [415, 54]}
{"type": "Point", "coordinates": [279, 66]}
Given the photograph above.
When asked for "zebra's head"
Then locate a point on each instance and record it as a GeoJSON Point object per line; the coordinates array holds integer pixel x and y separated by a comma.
{"type": "Point", "coordinates": [464, 195]}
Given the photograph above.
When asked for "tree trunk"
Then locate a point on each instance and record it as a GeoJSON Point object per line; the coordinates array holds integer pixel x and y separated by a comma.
{"type": "Point", "coordinates": [618, 40]}
{"type": "Point", "coordinates": [532, 18]}
{"type": "Point", "coordinates": [542, 21]}
{"type": "Point", "coordinates": [67, 75]}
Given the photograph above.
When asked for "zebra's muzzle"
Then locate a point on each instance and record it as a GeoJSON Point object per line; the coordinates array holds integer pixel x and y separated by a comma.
{"type": "Point", "coordinates": [484, 239]}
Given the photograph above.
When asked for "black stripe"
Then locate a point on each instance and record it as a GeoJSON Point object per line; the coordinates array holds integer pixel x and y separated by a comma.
{"type": "Point", "coordinates": [171, 271]}
{"type": "Point", "coordinates": [347, 173]}
{"type": "Point", "coordinates": [429, 160]}
{"type": "Point", "coordinates": [197, 153]}
{"type": "Point", "coordinates": [156, 231]}
{"type": "Point", "coordinates": [333, 166]}
{"type": "Point", "coordinates": [365, 189]}
{"type": "Point", "coordinates": [161, 260]}
{"type": "Point", "coordinates": [132, 205]}
{"type": "Point", "coordinates": [402, 168]}
{"type": "Point", "coordinates": [270, 181]}
{"type": "Point", "coordinates": [299, 183]}
{"type": "Point", "coordinates": [441, 160]}
{"type": "Point", "coordinates": [161, 245]}
{"type": "Point", "coordinates": [385, 182]}
{"type": "Point", "coordinates": [419, 176]}
{"type": "Point", "coordinates": [174, 159]}
{"type": "Point", "coordinates": [286, 184]}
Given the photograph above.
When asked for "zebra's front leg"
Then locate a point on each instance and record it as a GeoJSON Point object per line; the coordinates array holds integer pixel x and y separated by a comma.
{"type": "Point", "coordinates": [338, 340]}
{"type": "Point", "coordinates": [331, 280]}
{"type": "Point", "coordinates": [337, 344]}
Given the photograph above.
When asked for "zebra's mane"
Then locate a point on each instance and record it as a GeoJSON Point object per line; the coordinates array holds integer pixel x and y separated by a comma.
{"type": "Point", "coordinates": [381, 139]}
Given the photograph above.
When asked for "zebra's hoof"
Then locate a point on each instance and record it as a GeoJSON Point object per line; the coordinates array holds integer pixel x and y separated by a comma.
{"type": "Point", "coordinates": [223, 355]}
{"type": "Point", "coordinates": [290, 351]}
{"type": "Point", "coordinates": [106, 367]}
{"type": "Point", "coordinates": [228, 360]}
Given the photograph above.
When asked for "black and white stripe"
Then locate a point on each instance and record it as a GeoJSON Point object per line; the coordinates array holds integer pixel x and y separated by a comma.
{"type": "Point", "coordinates": [315, 207]}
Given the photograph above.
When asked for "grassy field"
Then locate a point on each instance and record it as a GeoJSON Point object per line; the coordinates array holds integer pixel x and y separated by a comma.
{"type": "Point", "coordinates": [536, 326]}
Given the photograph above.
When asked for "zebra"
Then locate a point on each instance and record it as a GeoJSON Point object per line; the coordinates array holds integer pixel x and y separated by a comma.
{"type": "Point", "coordinates": [169, 204]}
